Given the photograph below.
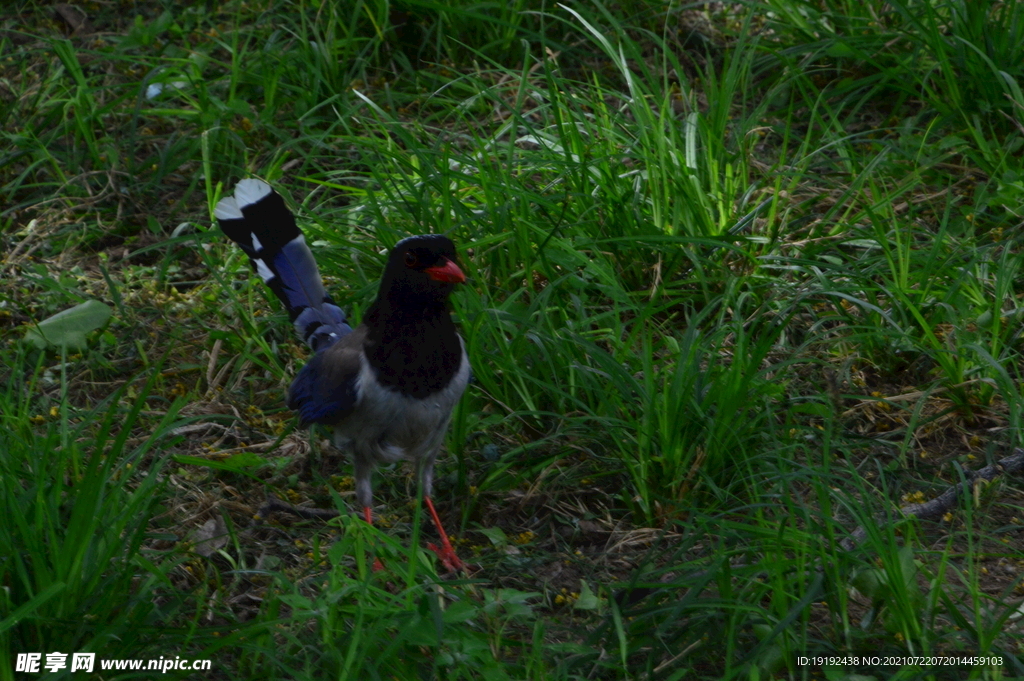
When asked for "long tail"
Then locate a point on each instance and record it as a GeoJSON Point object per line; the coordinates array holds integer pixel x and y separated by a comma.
{"type": "Point", "coordinates": [257, 219]}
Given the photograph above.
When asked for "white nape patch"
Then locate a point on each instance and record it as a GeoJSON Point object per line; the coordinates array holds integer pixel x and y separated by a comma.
{"type": "Point", "coordinates": [256, 245]}
{"type": "Point", "coordinates": [227, 209]}
{"type": "Point", "coordinates": [261, 268]}
{"type": "Point", "coordinates": [250, 191]}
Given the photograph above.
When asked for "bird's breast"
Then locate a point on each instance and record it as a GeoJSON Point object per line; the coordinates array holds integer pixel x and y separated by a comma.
{"type": "Point", "coordinates": [387, 425]}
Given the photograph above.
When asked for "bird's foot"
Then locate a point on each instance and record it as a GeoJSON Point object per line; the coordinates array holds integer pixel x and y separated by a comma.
{"type": "Point", "coordinates": [368, 517]}
{"type": "Point", "coordinates": [446, 554]}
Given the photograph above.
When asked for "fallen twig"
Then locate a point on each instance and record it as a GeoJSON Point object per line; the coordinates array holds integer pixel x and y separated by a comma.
{"type": "Point", "coordinates": [930, 510]}
{"type": "Point", "coordinates": [273, 504]}
{"type": "Point", "coordinates": [945, 502]}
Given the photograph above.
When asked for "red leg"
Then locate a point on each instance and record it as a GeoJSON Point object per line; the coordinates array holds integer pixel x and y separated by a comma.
{"type": "Point", "coordinates": [368, 515]}
{"type": "Point", "coordinates": [445, 553]}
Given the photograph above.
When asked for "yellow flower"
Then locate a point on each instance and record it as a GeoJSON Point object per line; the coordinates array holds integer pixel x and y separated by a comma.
{"type": "Point", "coordinates": [914, 497]}
{"type": "Point", "coordinates": [525, 537]}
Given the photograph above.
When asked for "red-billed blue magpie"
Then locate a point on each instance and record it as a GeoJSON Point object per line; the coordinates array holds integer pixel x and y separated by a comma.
{"type": "Point", "coordinates": [388, 387]}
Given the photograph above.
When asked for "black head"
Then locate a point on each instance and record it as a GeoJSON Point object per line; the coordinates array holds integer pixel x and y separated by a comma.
{"type": "Point", "coordinates": [421, 269]}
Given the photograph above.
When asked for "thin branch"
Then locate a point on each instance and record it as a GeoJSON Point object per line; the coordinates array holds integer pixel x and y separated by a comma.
{"type": "Point", "coordinates": [947, 501]}
{"type": "Point", "coordinates": [274, 504]}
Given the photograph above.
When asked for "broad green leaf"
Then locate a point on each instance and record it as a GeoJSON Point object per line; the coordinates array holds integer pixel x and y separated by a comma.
{"type": "Point", "coordinates": [496, 535]}
{"type": "Point", "coordinates": [69, 327]}
{"type": "Point", "coordinates": [587, 600]}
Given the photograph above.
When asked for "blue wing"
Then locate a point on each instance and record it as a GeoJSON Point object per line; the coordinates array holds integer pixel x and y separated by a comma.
{"type": "Point", "coordinates": [326, 390]}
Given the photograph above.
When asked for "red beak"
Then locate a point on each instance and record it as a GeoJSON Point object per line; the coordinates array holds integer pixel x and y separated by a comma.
{"type": "Point", "coordinates": [448, 273]}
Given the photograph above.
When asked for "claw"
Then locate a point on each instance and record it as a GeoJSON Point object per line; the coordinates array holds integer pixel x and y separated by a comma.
{"type": "Point", "coordinates": [368, 516]}
{"type": "Point", "coordinates": [446, 554]}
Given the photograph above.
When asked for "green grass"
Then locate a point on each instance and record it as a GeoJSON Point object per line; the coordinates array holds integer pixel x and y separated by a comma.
{"type": "Point", "coordinates": [742, 279]}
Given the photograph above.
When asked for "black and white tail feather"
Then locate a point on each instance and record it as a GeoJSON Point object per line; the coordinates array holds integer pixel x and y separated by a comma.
{"type": "Point", "coordinates": [257, 219]}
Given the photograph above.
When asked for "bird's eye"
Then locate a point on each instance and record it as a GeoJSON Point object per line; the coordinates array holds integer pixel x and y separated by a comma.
{"type": "Point", "coordinates": [411, 259]}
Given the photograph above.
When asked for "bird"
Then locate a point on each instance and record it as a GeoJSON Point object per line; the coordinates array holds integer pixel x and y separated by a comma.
{"type": "Point", "coordinates": [387, 387]}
